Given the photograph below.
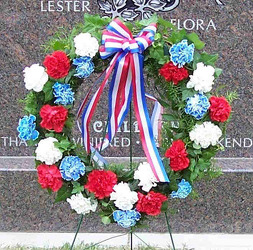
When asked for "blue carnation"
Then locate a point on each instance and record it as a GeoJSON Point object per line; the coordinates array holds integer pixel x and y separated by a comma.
{"type": "Point", "coordinates": [184, 189]}
{"type": "Point", "coordinates": [85, 66]}
{"type": "Point", "coordinates": [27, 128]}
{"type": "Point", "coordinates": [72, 168]}
{"type": "Point", "coordinates": [197, 106]}
{"type": "Point", "coordinates": [126, 218]}
{"type": "Point", "coordinates": [182, 53]}
{"type": "Point", "coordinates": [63, 94]}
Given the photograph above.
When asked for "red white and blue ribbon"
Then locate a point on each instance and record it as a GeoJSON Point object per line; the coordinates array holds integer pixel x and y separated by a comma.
{"type": "Point", "coordinates": [127, 83]}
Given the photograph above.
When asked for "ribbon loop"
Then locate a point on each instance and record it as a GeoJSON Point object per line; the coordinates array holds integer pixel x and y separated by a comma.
{"type": "Point", "coordinates": [127, 82]}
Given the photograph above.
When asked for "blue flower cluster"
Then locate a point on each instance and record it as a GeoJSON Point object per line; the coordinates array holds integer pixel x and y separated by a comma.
{"type": "Point", "coordinates": [72, 168]}
{"type": "Point", "coordinates": [184, 189]}
{"type": "Point", "coordinates": [197, 106]}
{"type": "Point", "coordinates": [85, 66]}
{"type": "Point", "coordinates": [126, 218]}
{"type": "Point", "coordinates": [182, 53]}
{"type": "Point", "coordinates": [63, 94]}
{"type": "Point", "coordinates": [27, 128]}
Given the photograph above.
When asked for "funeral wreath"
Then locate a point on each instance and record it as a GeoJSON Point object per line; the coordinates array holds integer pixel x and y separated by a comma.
{"type": "Point", "coordinates": [188, 120]}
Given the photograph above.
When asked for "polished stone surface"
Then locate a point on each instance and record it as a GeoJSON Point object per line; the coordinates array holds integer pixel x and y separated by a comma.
{"type": "Point", "coordinates": [224, 205]}
{"type": "Point", "coordinates": [224, 28]}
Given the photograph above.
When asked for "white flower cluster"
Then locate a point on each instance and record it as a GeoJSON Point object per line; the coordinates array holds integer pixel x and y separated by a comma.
{"type": "Point", "coordinates": [86, 45]}
{"type": "Point", "coordinates": [123, 197]}
{"type": "Point", "coordinates": [47, 152]}
{"type": "Point", "coordinates": [81, 204]}
{"type": "Point", "coordinates": [35, 77]}
{"type": "Point", "coordinates": [146, 176]}
{"type": "Point", "coordinates": [202, 79]}
{"type": "Point", "coordinates": [206, 134]}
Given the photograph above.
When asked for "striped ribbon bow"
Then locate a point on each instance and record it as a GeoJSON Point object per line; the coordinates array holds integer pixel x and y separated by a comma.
{"type": "Point", "coordinates": [127, 83]}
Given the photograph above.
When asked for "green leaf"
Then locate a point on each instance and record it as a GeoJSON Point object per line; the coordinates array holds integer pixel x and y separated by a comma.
{"type": "Point", "coordinates": [48, 90]}
{"type": "Point", "coordinates": [106, 220]}
{"type": "Point", "coordinates": [166, 24]}
{"type": "Point", "coordinates": [63, 193]}
{"type": "Point", "coordinates": [165, 206]}
{"type": "Point", "coordinates": [146, 22]}
{"type": "Point", "coordinates": [168, 117]}
{"type": "Point", "coordinates": [177, 36]}
{"type": "Point", "coordinates": [71, 73]}
{"type": "Point", "coordinates": [208, 59]}
{"type": "Point", "coordinates": [196, 146]}
{"type": "Point", "coordinates": [105, 204]}
{"type": "Point", "coordinates": [192, 165]}
{"type": "Point", "coordinates": [217, 72]}
{"type": "Point", "coordinates": [77, 188]}
{"type": "Point", "coordinates": [187, 93]}
{"type": "Point", "coordinates": [193, 37]}
{"type": "Point", "coordinates": [59, 45]}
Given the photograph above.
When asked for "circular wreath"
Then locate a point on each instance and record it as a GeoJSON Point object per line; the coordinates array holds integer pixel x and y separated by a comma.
{"type": "Point", "coordinates": [193, 121]}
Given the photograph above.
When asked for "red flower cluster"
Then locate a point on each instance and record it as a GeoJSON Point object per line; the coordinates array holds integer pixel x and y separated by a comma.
{"type": "Point", "coordinates": [49, 177]}
{"type": "Point", "coordinates": [178, 156]}
{"type": "Point", "coordinates": [220, 109]}
{"type": "Point", "coordinates": [151, 203]}
{"type": "Point", "coordinates": [53, 117]}
{"type": "Point", "coordinates": [57, 64]}
{"type": "Point", "coordinates": [172, 73]}
{"type": "Point", "coordinates": [101, 183]}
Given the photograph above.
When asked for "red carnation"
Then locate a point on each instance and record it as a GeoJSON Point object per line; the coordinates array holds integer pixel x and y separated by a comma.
{"type": "Point", "coordinates": [172, 73]}
{"type": "Point", "coordinates": [49, 177]}
{"type": "Point", "coordinates": [178, 156]}
{"type": "Point", "coordinates": [57, 64]}
{"type": "Point", "coordinates": [101, 183]}
{"type": "Point", "coordinates": [220, 109]}
{"type": "Point", "coordinates": [151, 203]}
{"type": "Point", "coordinates": [53, 117]}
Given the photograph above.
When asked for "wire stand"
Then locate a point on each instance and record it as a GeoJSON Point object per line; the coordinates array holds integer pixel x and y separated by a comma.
{"type": "Point", "coordinates": [169, 229]}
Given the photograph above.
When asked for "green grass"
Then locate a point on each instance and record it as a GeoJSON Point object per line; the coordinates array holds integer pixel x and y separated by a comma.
{"type": "Point", "coordinates": [90, 247]}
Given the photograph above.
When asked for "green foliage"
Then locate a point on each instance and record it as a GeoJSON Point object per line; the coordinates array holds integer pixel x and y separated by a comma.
{"type": "Point", "coordinates": [77, 187]}
{"type": "Point", "coordinates": [64, 193]}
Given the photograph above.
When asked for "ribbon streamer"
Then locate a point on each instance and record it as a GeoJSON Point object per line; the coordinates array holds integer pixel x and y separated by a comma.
{"type": "Point", "coordinates": [127, 83]}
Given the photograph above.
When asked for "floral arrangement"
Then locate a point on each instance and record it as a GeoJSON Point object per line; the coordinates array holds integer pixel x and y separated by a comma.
{"type": "Point", "coordinates": [194, 119]}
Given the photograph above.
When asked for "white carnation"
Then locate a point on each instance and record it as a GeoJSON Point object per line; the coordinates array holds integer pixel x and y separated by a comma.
{"type": "Point", "coordinates": [206, 134]}
{"type": "Point", "coordinates": [202, 79]}
{"type": "Point", "coordinates": [47, 152]}
{"type": "Point", "coordinates": [82, 205]}
{"type": "Point", "coordinates": [146, 176]}
{"type": "Point", "coordinates": [123, 196]}
{"type": "Point", "coordinates": [35, 77]}
{"type": "Point", "coordinates": [86, 45]}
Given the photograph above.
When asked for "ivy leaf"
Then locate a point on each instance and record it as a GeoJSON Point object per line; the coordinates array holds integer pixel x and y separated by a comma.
{"type": "Point", "coordinates": [77, 188]}
{"type": "Point", "coordinates": [193, 37]}
{"type": "Point", "coordinates": [217, 72]}
{"type": "Point", "coordinates": [177, 36]}
{"type": "Point", "coordinates": [63, 145]}
{"type": "Point", "coordinates": [146, 22]}
{"type": "Point", "coordinates": [196, 146]}
{"type": "Point", "coordinates": [166, 24]}
{"type": "Point", "coordinates": [208, 59]}
{"type": "Point", "coordinates": [59, 45]}
{"type": "Point", "coordinates": [106, 220]}
{"type": "Point", "coordinates": [63, 193]}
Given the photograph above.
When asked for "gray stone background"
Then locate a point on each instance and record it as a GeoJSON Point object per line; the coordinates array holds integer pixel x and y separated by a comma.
{"type": "Point", "coordinates": [225, 205]}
